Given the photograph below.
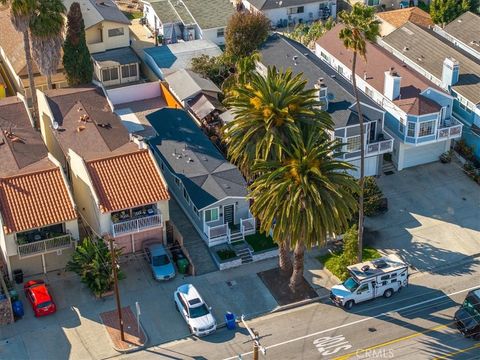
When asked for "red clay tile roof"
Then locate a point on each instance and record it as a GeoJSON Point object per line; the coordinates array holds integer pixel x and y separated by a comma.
{"type": "Point", "coordinates": [399, 17]}
{"type": "Point", "coordinates": [418, 106]}
{"type": "Point", "coordinates": [126, 181]}
{"type": "Point", "coordinates": [34, 200]}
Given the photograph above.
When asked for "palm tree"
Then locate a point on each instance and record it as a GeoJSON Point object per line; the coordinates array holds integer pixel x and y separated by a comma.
{"type": "Point", "coordinates": [268, 110]}
{"type": "Point", "coordinates": [307, 193]}
{"type": "Point", "coordinates": [47, 27]}
{"type": "Point", "coordinates": [244, 67]}
{"type": "Point", "coordinates": [360, 26]}
{"type": "Point", "coordinates": [21, 12]}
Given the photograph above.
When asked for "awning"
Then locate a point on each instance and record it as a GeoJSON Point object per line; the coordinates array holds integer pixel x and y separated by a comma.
{"type": "Point", "coordinates": [202, 105]}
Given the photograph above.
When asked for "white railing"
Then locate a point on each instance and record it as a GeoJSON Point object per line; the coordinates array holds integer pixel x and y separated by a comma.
{"type": "Point", "coordinates": [45, 246]}
{"type": "Point", "coordinates": [217, 234]}
{"type": "Point", "coordinates": [380, 147]}
{"type": "Point", "coordinates": [451, 132]}
{"type": "Point", "coordinates": [136, 225]}
{"type": "Point", "coordinates": [247, 226]}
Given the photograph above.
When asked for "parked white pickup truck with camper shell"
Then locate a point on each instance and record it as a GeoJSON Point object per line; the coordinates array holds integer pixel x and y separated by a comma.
{"type": "Point", "coordinates": [369, 280]}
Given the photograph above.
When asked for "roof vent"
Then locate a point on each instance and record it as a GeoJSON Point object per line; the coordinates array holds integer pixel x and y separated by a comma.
{"type": "Point", "coordinates": [205, 158]}
{"type": "Point", "coordinates": [105, 126]}
{"type": "Point", "coordinates": [365, 268]}
{"type": "Point", "coordinates": [226, 186]}
{"type": "Point", "coordinates": [189, 160]}
{"type": "Point", "coordinates": [379, 263]}
{"type": "Point", "coordinates": [81, 128]}
{"type": "Point", "coordinates": [405, 48]}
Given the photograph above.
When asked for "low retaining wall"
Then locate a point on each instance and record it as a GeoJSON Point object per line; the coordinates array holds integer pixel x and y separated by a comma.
{"type": "Point", "coordinates": [265, 254]}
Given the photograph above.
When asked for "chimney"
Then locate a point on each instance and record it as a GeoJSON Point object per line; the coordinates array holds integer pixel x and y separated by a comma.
{"type": "Point", "coordinates": [321, 88]}
{"type": "Point", "coordinates": [450, 72]}
{"type": "Point", "coordinates": [391, 86]}
{"type": "Point", "coordinates": [138, 140]}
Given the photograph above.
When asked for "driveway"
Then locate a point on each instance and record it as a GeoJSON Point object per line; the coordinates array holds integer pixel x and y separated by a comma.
{"type": "Point", "coordinates": [75, 331]}
{"type": "Point", "coordinates": [433, 218]}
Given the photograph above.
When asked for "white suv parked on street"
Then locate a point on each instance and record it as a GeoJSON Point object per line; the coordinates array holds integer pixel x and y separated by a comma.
{"type": "Point", "coordinates": [194, 310]}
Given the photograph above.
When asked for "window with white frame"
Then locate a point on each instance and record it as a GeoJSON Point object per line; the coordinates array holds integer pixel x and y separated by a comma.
{"type": "Point", "coordinates": [115, 32]}
{"type": "Point", "coordinates": [324, 56]}
{"type": "Point", "coordinates": [110, 74]}
{"type": "Point", "coordinates": [211, 215]}
{"type": "Point", "coordinates": [373, 2]}
{"type": "Point", "coordinates": [220, 32]}
{"type": "Point", "coordinates": [295, 10]}
{"type": "Point", "coordinates": [426, 128]}
{"type": "Point", "coordinates": [340, 70]}
{"type": "Point", "coordinates": [353, 144]}
{"type": "Point", "coordinates": [129, 70]}
{"type": "Point", "coordinates": [411, 129]}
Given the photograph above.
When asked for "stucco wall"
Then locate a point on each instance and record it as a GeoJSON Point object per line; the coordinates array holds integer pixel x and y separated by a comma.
{"type": "Point", "coordinates": [136, 92]}
{"type": "Point", "coordinates": [93, 38]}
{"type": "Point", "coordinates": [211, 34]}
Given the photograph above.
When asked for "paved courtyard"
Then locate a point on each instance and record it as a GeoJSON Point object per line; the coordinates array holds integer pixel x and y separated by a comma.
{"type": "Point", "coordinates": [76, 332]}
{"type": "Point", "coordinates": [433, 218]}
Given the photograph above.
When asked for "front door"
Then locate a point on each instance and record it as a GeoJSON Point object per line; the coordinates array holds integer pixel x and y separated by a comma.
{"type": "Point", "coordinates": [228, 214]}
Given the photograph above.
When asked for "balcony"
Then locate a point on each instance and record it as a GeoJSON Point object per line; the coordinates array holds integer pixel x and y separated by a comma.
{"type": "Point", "coordinates": [136, 225]}
{"type": "Point", "coordinates": [449, 129]}
{"type": "Point", "coordinates": [379, 147]}
{"type": "Point", "coordinates": [44, 246]}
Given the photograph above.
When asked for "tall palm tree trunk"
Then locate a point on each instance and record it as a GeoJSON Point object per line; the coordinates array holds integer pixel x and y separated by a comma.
{"type": "Point", "coordinates": [284, 260]}
{"type": "Point", "coordinates": [31, 80]}
{"type": "Point", "coordinates": [362, 159]}
{"type": "Point", "coordinates": [298, 265]}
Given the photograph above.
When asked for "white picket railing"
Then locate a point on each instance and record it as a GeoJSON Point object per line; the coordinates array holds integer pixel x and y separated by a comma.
{"type": "Point", "coordinates": [380, 147]}
{"type": "Point", "coordinates": [45, 246]}
{"type": "Point", "coordinates": [451, 132]}
{"type": "Point", "coordinates": [136, 225]}
{"type": "Point", "coordinates": [248, 226]}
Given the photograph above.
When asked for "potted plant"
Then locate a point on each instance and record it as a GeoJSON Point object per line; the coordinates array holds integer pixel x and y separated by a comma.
{"type": "Point", "coordinates": [446, 157]}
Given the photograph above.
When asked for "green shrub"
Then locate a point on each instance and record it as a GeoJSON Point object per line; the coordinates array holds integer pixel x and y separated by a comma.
{"type": "Point", "coordinates": [373, 197]}
{"type": "Point", "coordinates": [226, 254]}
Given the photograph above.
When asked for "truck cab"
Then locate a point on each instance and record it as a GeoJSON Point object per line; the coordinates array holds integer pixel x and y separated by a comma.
{"type": "Point", "coordinates": [369, 280]}
{"type": "Point", "coordinates": [467, 317]}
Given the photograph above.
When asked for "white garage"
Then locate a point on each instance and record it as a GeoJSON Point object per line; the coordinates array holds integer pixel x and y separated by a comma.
{"type": "Point", "coordinates": [421, 154]}
{"type": "Point", "coordinates": [371, 166]}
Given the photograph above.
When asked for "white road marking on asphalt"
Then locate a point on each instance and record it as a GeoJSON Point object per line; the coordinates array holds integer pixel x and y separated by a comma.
{"type": "Point", "coordinates": [330, 345]}
{"type": "Point", "coordinates": [357, 321]}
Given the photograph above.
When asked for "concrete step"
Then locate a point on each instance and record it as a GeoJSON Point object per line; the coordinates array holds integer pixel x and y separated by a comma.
{"type": "Point", "coordinates": [388, 168]}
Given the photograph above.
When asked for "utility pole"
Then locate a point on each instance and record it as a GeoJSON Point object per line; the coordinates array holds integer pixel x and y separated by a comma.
{"type": "Point", "coordinates": [255, 338]}
{"type": "Point", "coordinates": [115, 283]}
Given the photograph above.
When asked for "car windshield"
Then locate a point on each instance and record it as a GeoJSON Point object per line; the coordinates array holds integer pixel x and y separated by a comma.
{"type": "Point", "coordinates": [472, 308]}
{"type": "Point", "coordinates": [350, 284]}
{"type": "Point", "coordinates": [160, 260]}
{"type": "Point", "coordinates": [199, 311]}
{"type": "Point", "coordinates": [44, 304]}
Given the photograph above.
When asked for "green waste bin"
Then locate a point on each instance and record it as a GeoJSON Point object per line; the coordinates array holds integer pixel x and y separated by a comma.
{"type": "Point", "coordinates": [182, 265]}
{"type": "Point", "coordinates": [13, 295]}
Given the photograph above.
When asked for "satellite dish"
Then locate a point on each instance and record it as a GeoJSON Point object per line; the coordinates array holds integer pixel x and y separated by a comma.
{"type": "Point", "coordinates": [55, 125]}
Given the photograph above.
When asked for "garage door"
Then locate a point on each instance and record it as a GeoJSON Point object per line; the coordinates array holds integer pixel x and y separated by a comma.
{"type": "Point", "coordinates": [58, 260]}
{"type": "Point", "coordinates": [425, 154]}
{"type": "Point", "coordinates": [30, 265]}
{"type": "Point", "coordinates": [371, 167]}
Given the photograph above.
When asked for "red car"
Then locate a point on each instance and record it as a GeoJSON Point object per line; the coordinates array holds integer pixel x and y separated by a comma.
{"type": "Point", "coordinates": [37, 293]}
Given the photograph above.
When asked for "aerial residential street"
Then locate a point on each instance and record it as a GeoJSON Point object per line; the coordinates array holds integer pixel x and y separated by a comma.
{"type": "Point", "coordinates": [416, 322]}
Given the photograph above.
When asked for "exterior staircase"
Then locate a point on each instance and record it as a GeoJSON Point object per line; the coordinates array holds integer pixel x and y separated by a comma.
{"type": "Point", "coordinates": [240, 246]}
{"type": "Point", "coordinates": [388, 168]}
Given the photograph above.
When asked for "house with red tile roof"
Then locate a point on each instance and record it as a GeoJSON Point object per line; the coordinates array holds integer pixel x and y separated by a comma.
{"type": "Point", "coordinates": [418, 113]}
{"type": "Point", "coordinates": [391, 20]}
{"type": "Point", "coordinates": [38, 218]}
{"type": "Point", "coordinates": [117, 185]}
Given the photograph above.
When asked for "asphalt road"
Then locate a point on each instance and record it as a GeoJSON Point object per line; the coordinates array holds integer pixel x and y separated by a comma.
{"type": "Point", "coordinates": [414, 324]}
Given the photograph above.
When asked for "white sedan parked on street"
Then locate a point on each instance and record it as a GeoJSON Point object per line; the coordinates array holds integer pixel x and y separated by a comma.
{"type": "Point", "coordinates": [194, 310]}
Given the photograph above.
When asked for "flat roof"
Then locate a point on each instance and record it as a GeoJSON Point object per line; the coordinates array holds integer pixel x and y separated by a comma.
{"type": "Point", "coordinates": [428, 51]}
{"type": "Point", "coordinates": [192, 157]}
{"type": "Point", "coordinates": [116, 57]}
{"type": "Point", "coordinates": [279, 51]}
{"type": "Point", "coordinates": [372, 271]}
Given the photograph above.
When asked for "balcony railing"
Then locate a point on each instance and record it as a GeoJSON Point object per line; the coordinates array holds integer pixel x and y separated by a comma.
{"type": "Point", "coordinates": [136, 225]}
{"type": "Point", "coordinates": [216, 234]}
{"type": "Point", "coordinates": [452, 132]}
{"type": "Point", "coordinates": [381, 147]}
{"type": "Point", "coordinates": [45, 246]}
{"type": "Point", "coordinates": [247, 226]}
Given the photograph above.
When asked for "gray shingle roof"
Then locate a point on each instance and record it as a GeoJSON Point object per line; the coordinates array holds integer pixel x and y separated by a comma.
{"type": "Point", "coordinates": [427, 51]}
{"type": "Point", "coordinates": [186, 84]}
{"type": "Point", "coordinates": [279, 51]}
{"type": "Point", "coordinates": [95, 11]}
{"type": "Point", "coordinates": [466, 28]}
{"type": "Point", "coordinates": [210, 14]}
{"type": "Point", "coordinates": [208, 176]}
{"type": "Point", "coordinates": [171, 12]}
{"type": "Point", "coordinates": [116, 57]}
{"type": "Point", "coordinates": [274, 4]}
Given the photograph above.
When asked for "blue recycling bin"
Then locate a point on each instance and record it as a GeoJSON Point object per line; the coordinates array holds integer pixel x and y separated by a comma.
{"type": "Point", "coordinates": [17, 308]}
{"type": "Point", "coordinates": [230, 320]}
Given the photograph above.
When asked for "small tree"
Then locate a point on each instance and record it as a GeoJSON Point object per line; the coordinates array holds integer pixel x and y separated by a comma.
{"type": "Point", "coordinates": [76, 57]}
{"type": "Point", "coordinates": [444, 11]}
{"type": "Point", "coordinates": [215, 68]}
{"type": "Point", "coordinates": [245, 33]}
{"type": "Point", "coordinates": [92, 261]}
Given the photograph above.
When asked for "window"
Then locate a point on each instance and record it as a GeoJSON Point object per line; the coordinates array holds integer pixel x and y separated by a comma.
{"type": "Point", "coordinates": [411, 129]}
{"type": "Point", "coordinates": [195, 210]}
{"type": "Point", "coordinates": [362, 288]}
{"type": "Point", "coordinates": [185, 195]}
{"type": "Point", "coordinates": [115, 32]}
{"type": "Point", "coordinates": [373, 2]}
{"type": "Point", "coordinates": [401, 128]}
{"type": "Point", "coordinates": [340, 70]}
{"type": "Point", "coordinates": [426, 128]}
{"type": "Point", "coordinates": [109, 74]}
{"type": "Point", "coordinates": [220, 32]}
{"type": "Point", "coordinates": [211, 215]}
{"type": "Point", "coordinates": [129, 70]}
{"type": "Point", "coordinates": [295, 10]}
{"type": "Point", "coordinates": [324, 56]}
{"type": "Point", "coordinates": [353, 144]}
{"type": "Point", "coordinates": [369, 92]}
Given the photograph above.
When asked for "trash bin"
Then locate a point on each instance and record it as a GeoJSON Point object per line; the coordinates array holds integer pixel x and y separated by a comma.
{"type": "Point", "coordinates": [18, 276]}
{"type": "Point", "coordinates": [182, 265]}
{"type": "Point", "coordinates": [17, 308]}
{"type": "Point", "coordinates": [230, 320]}
{"type": "Point", "coordinates": [13, 295]}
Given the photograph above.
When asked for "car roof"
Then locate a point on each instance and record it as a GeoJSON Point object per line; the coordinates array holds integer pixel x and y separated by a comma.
{"type": "Point", "coordinates": [40, 293]}
{"type": "Point", "coordinates": [157, 249]}
{"type": "Point", "coordinates": [189, 293]}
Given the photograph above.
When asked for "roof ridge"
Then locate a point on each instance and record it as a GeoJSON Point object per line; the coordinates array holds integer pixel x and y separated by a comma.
{"type": "Point", "coordinates": [2, 178]}
{"type": "Point", "coordinates": [116, 156]}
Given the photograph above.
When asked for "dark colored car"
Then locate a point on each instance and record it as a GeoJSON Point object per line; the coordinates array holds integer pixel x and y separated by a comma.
{"type": "Point", "coordinates": [37, 293]}
{"type": "Point", "coordinates": [467, 318]}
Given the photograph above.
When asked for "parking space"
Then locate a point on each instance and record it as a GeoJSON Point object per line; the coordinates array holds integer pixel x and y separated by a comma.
{"type": "Point", "coordinates": [433, 218]}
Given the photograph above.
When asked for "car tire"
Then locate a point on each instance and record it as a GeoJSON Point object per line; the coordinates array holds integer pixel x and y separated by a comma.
{"type": "Point", "coordinates": [349, 304]}
{"type": "Point", "coordinates": [388, 293]}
